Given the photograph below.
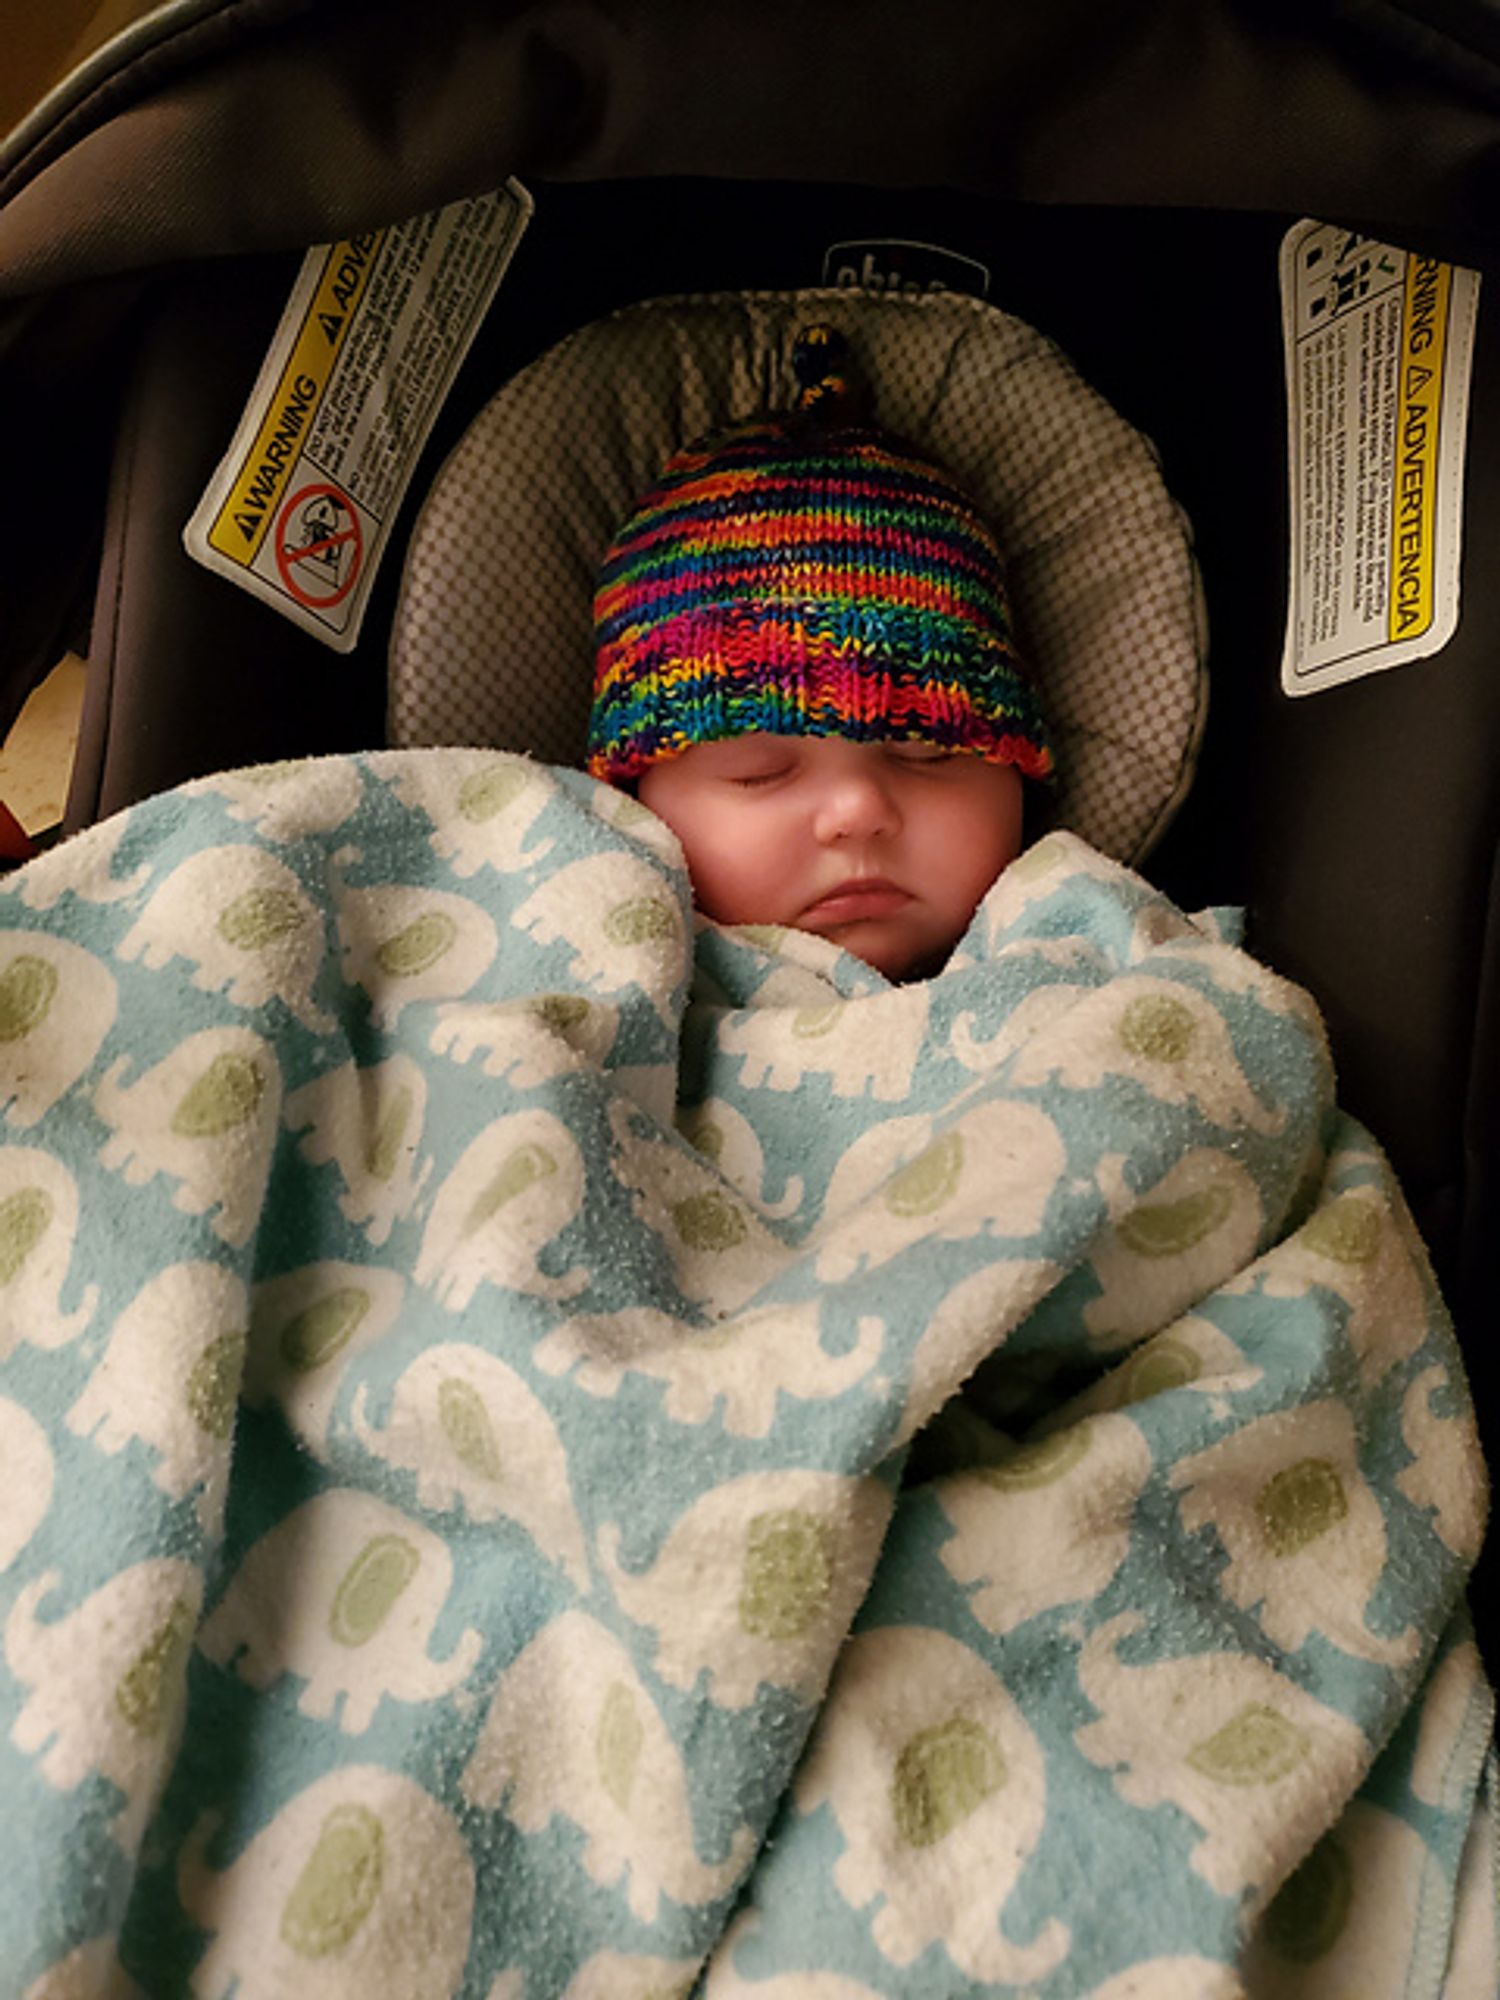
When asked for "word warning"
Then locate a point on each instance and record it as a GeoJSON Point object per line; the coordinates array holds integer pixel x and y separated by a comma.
{"type": "Point", "coordinates": [301, 506]}
{"type": "Point", "coordinates": [1379, 346]}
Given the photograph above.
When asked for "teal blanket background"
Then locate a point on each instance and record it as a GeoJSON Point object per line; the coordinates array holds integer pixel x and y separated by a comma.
{"type": "Point", "coordinates": [462, 1332]}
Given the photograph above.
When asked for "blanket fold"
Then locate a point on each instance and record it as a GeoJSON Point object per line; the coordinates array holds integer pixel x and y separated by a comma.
{"type": "Point", "coordinates": [552, 1449]}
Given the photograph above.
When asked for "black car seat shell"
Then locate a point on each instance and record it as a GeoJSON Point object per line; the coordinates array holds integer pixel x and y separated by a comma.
{"type": "Point", "coordinates": [1124, 180]}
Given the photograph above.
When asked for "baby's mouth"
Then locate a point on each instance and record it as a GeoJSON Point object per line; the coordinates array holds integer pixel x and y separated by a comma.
{"type": "Point", "coordinates": [862, 897]}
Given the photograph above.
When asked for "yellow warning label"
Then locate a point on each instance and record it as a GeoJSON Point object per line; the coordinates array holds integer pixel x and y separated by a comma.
{"type": "Point", "coordinates": [240, 525]}
{"type": "Point", "coordinates": [299, 508]}
{"type": "Point", "coordinates": [1424, 340]}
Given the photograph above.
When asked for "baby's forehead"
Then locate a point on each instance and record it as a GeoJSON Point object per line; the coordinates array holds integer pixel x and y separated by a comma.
{"type": "Point", "coordinates": [757, 745]}
{"type": "Point", "coordinates": [752, 743]}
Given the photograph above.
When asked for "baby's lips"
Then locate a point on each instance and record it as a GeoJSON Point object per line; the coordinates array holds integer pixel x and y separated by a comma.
{"type": "Point", "coordinates": [848, 902]}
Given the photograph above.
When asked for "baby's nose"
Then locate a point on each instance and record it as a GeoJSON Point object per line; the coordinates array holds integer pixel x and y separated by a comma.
{"type": "Point", "coordinates": [857, 805]}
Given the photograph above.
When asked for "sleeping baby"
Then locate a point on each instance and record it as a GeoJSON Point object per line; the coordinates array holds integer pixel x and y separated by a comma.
{"type": "Point", "coordinates": [805, 667]}
{"type": "Point", "coordinates": [587, 1568]}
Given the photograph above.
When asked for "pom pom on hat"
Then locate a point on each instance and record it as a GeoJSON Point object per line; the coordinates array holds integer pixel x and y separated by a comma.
{"type": "Point", "coordinates": [826, 388]}
{"type": "Point", "coordinates": [807, 574]}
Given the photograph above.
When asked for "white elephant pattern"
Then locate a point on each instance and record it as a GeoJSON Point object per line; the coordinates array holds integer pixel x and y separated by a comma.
{"type": "Point", "coordinates": [927, 1764]}
{"type": "Point", "coordinates": [344, 1594]}
{"type": "Point", "coordinates": [82, 869]}
{"type": "Point", "coordinates": [991, 1173]}
{"type": "Point", "coordinates": [756, 1582]}
{"type": "Point", "coordinates": [307, 1328]}
{"type": "Point", "coordinates": [526, 1042]}
{"type": "Point", "coordinates": [242, 919]}
{"type": "Point", "coordinates": [572, 1733]}
{"type": "Point", "coordinates": [513, 1190]}
{"type": "Point", "coordinates": [621, 920]}
{"type": "Point", "coordinates": [205, 1117]}
{"type": "Point", "coordinates": [57, 1004]}
{"type": "Point", "coordinates": [361, 1884]}
{"type": "Point", "coordinates": [106, 1681]}
{"type": "Point", "coordinates": [1234, 1745]}
{"type": "Point", "coordinates": [192, 1317]}
{"type": "Point", "coordinates": [483, 807]}
{"type": "Point", "coordinates": [283, 800]}
{"type": "Point", "coordinates": [1304, 1532]}
{"type": "Point", "coordinates": [38, 1233]}
{"type": "Point", "coordinates": [367, 1123]}
{"type": "Point", "coordinates": [737, 1368]}
{"type": "Point", "coordinates": [1166, 1250]}
{"type": "Point", "coordinates": [457, 1372]}
{"type": "Point", "coordinates": [403, 944]}
{"type": "Point", "coordinates": [27, 1459]}
{"type": "Point", "coordinates": [477, 1437]}
{"type": "Point", "coordinates": [784, 1046]}
{"type": "Point", "coordinates": [610, 1975]}
{"type": "Point", "coordinates": [1048, 1526]}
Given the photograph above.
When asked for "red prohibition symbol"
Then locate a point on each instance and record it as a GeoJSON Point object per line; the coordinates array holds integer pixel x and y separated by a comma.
{"type": "Point", "coordinates": [319, 546]}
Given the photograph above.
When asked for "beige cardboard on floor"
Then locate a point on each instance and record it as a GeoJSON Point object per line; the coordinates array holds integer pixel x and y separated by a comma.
{"type": "Point", "coordinates": [36, 760]}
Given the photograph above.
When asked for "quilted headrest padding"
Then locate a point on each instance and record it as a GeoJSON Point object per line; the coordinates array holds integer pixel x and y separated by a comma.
{"type": "Point", "coordinates": [493, 638]}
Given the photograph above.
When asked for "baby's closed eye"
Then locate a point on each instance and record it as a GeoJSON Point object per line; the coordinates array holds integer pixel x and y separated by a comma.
{"type": "Point", "coordinates": [748, 780]}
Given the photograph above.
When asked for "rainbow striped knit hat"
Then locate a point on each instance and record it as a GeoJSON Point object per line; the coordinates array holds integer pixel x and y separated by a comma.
{"type": "Point", "coordinates": [807, 576]}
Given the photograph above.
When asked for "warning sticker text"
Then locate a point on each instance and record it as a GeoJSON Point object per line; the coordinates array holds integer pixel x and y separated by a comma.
{"type": "Point", "coordinates": [302, 503]}
{"type": "Point", "coordinates": [1378, 347]}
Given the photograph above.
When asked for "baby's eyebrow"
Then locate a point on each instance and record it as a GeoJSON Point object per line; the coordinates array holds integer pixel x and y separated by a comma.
{"type": "Point", "coordinates": [756, 754]}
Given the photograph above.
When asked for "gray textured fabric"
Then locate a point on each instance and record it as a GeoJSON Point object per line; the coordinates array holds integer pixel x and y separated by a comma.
{"type": "Point", "coordinates": [493, 638]}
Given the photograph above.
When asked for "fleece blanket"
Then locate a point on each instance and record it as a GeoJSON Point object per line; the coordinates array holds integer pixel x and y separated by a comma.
{"type": "Point", "coordinates": [549, 1449]}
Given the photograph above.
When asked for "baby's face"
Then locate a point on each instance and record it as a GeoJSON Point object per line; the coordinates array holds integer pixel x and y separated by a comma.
{"type": "Point", "coordinates": [884, 847]}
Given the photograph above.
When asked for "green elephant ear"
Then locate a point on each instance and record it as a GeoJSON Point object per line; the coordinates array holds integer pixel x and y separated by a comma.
{"type": "Point", "coordinates": [259, 918]}
{"type": "Point", "coordinates": [1168, 1228]}
{"type": "Point", "coordinates": [563, 1013]}
{"type": "Point", "coordinates": [25, 1217]}
{"type": "Point", "coordinates": [1164, 1365]}
{"type": "Point", "coordinates": [467, 1427]}
{"type": "Point", "coordinates": [787, 1574]}
{"type": "Point", "coordinates": [1346, 1232]}
{"type": "Point", "coordinates": [227, 1095]}
{"type": "Point", "coordinates": [1301, 1503]}
{"type": "Point", "coordinates": [709, 1221]}
{"type": "Point", "coordinates": [213, 1384]}
{"type": "Point", "coordinates": [1157, 1028]}
{"type": "Point", "coordinates": [369, 1588]}
{"type": "Point", "coordinates": [618, 1742]}
{"type": "Point", "coordinates": [323, 1329]}
{"type": "Point", "coordinates": [148, 1687]}
{"type": "Point", "coordinates": [925, 1183]}
{"type": "Point", "coordinates": [523, 1168]}
{"type": "Point", "coordinates": [419, 946]}
{"type": "Point", "coordinates": [485, 794]}
{"type": "Point", "coordinates": [1257, 1746]}
{"type": "Point", "coordinates": [27, 989]}
{"type": "Point", "coordinates": [642, 920]}
{"type": "Point", "coordinates": [338, 1886]}
{"type": "Point", "coordinates": [1040, 1463]}
{"type": "Point", "coordinates": [383, 1144]}
{"type": "Point", "coordinates": [811, 1023]}
{"type": "Point", "coordinates": [942, 1776]}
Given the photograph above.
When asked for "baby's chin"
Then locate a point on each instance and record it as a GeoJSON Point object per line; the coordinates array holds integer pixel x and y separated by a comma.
{"type": "Point", "coordinates": [899, 956]}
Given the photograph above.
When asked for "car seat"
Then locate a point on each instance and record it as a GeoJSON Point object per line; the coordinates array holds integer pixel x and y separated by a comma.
{"type": "Point", "coordinates": [1123, 186]}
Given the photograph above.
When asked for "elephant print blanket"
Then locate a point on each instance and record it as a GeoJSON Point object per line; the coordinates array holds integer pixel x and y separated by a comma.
{"type": "Point", "coordinates": [553, 1449]}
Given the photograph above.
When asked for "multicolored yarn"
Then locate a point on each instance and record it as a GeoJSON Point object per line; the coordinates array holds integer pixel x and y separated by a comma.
{"type": "Point", "coordinates": [807, 576]}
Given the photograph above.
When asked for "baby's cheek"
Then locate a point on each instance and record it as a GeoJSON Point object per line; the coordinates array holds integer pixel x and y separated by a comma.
{"type": "Point", "coordinates": [730, 886]}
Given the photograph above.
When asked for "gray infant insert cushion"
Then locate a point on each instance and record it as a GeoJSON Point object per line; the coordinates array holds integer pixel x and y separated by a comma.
{"type": "Point", "coordinates": [493, 638]}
